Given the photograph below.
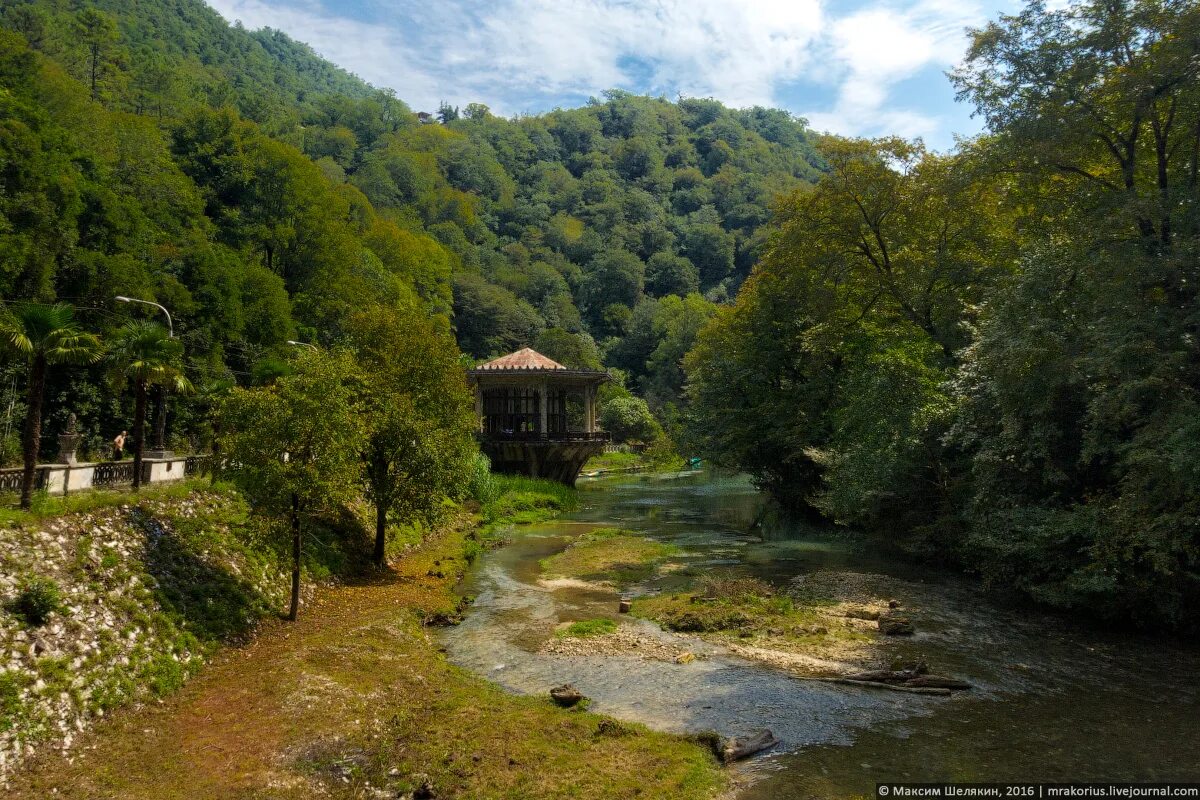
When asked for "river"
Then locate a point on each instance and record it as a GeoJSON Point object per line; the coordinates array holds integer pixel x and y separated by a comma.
{"type": "Point", "coordinates": [1053, 700]}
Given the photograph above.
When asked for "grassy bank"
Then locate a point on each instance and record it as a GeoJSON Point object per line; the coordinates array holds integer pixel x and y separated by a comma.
{"type": "Point", "coordinates": [112, 597]}
{"type": "Point", "coordinates": [355, 700]}
{"type": "Point", "coordinates": [646, 461]}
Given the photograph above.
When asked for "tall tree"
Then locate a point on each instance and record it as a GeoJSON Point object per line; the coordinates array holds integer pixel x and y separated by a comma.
{"type": "Point", "coordinates": [293, 446]}
{"type": "Point", "coordinates": [46, 335]}
{"type": "Point", "coordinates": [420, 421]}
{"type": "Point", "coordinates": [144, 354]}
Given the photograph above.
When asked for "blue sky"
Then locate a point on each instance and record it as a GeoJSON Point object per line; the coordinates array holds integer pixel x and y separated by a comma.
{"type": "Point", "coordinates": [855, 67]}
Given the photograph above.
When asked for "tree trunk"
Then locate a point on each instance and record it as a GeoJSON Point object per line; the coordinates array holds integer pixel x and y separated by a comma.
{"type": "Point", "coordinates": [160, 419]}
{"type": "Point", "coordinates": [32, 440]}
{"type": "Point", "coordinates": [139, 432]}
{"type": "Point", "coordinates": [380, 534]}
{"type": "Point", "coordinates": [294, 611]}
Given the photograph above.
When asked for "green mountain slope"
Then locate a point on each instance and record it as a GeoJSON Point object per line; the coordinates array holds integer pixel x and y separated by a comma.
{"type": "Point", "coordinates": [262, 193]}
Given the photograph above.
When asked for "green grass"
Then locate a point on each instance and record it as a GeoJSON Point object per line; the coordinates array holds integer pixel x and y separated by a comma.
{"type": "Point", "coordinates": [589, 627]}
{"type": "Point", "coordinates": [611, 461]}
{"type": "Point", "coordinates": [514, 499]}
{"type": "Point", "coordinates": [390, 708]}
{"type": "Point", "coordinates": [608, 555]}
{"type": "Point", "coordinates": [46, 506]}
{"type": "Point", "coordinates": [742, 608]}
{"type": "Point", "coordinates": [651, 460]}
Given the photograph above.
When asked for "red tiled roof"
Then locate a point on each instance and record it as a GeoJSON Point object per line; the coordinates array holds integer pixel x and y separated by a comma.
{"type": "Point", "coordinates": [527, 358]}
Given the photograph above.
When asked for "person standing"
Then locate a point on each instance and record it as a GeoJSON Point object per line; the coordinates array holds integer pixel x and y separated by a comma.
{"type": "Point", "coordinates": [119, 446]}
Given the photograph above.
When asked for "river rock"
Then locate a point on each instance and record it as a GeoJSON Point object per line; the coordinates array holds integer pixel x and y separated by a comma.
{"type": "Point", "coordinates": [685, 658]}
{"type": "Point", "coordinates": [895, 626]}
{"type": "Point", "coordinates": [566, 695]}
{"type": "Point", "coordinates": [740, 747]}
{"type": "Point", "coordinates": [862, 613]}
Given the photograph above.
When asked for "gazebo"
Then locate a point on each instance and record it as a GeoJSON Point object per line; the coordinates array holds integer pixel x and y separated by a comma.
{"type": "Point", "coordinates": [537, 417]}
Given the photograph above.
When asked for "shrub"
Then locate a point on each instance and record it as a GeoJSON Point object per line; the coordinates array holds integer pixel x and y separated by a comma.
{"type": "Point", "coordinates": [36, 601]}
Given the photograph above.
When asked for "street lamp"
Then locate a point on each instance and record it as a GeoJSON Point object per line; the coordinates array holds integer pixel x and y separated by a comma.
{"type": "Point", "coordinates": [170, 326]}
{"type": "Point", "coordinates": [160, 418]}
{"type": "Point", "coordinates": [312, 347]}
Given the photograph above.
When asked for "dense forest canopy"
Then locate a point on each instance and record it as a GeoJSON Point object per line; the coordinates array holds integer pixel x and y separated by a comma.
{"type": "Point", "coordinates": [263, 194]}
{"type": "Point", "coordinates": [992, 356]}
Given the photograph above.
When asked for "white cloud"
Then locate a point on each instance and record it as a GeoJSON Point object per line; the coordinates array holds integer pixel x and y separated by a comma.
{"type": "Point", "coordinates": [525, 55]}
{"type": "Point", "coordinates": [882, 46]}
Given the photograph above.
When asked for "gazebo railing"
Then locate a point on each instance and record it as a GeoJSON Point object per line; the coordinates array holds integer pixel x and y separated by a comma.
{"type": "Point", "coordinates": [539, 436]}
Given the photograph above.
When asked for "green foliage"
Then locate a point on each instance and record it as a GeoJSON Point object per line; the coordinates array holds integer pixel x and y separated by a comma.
{"type": "Point", "coordinates": [589, 627]}
{"type": "Point", "coordinates": [419, 414]}
{"type": "Point", "coordinates": [299, 437]}
{"type": "Point", "coordinates": [35, 601]}
{"type": "Point", "coordinates": [629, 419]}
{"type": "Point", "coordinates": [517, 499]}
{"type": "Point", "coordinates": [984, 354]}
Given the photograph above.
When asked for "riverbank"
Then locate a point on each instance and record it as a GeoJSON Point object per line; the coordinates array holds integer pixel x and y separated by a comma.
{"type": "Point", "coordinates": [356, 700]}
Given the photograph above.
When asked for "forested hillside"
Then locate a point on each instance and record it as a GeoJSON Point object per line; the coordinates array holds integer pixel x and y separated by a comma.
{"type": "Point", "coordinates": [262, 194]}
{"type": "Point", "coordinates": [993, 357]}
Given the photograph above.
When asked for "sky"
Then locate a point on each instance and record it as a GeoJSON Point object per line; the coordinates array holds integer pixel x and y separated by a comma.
{"type": "Point", "coordinates": [854, 67]}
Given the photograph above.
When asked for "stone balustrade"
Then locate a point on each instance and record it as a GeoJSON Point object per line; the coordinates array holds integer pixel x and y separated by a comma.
{"type": "Point", "coordinates": [62, 479]}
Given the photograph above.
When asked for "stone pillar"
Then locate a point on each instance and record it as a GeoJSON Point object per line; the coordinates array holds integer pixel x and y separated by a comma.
{"type": "Point", "coordinates": [543, 411]}
{"type": "Point", "coordinates": [479, 407]}
{"type": "Point", "coordinates": [68, 442]}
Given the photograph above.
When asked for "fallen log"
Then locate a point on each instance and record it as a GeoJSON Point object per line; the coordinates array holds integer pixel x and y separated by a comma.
{"type": "Point", "coordinates": [936, 682]}
{"type": "Point", "coordinates": [740, 747]}
{"type": "Point", "coordinates": [938, 692]}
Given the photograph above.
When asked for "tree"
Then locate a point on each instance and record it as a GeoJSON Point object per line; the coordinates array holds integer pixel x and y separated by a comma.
{"type": "Point", "coordinates": [420, 426]}
{"type": "Point", "coordinates": [294, 447]}
{"type": "Point", "coordinates": [573, 350]}
{"type": "Point", "coordinates": [98, 39]}
{"type": "Point", "coordinates": [145, 354]}
{"type": "Point", "coordinates": [629, 419]}
{"type": "Point", "coordinates": [45, 335]}
{"type": "Point", "coordinates": [667, 273]}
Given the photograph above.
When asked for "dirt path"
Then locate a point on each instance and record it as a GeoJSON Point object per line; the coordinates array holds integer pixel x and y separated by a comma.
{"type": "Point", "coordinates": [354, 700]}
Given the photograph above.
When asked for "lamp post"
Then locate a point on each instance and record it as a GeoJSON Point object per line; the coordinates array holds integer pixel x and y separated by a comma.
{"type": "Point", "coordinates": [160, 417]}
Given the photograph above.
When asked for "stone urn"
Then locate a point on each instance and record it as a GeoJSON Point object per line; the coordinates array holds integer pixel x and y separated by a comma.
{"type": "Point", "coordinates": [68, 443]}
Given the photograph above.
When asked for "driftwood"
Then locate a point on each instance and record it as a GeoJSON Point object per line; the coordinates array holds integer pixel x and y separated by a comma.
{"type": "Point", "coordinates": [938, 682]}
{"type": "Point", "coordinates": [915, 679]}
{"type": "Point", "coordinates": [895, 687]}
{"type": "Point", "coordinates": [740, 747]}
{"type": "Point", "coordinates": [566, 695]}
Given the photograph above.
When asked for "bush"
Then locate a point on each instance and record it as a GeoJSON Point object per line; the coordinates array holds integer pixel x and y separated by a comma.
{"type": "Point", "coordinates": [36, 601]}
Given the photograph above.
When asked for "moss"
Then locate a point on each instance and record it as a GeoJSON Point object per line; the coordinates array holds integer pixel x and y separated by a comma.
{"type": "Point", "coordinates": [740, 608]}
{"type": "Point", "coordinates": [608, 555]}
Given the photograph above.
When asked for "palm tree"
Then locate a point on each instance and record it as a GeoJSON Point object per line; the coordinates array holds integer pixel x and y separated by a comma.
{"type": "Point", "coordinates": [47, 335]}
{"type": "Point", "coordinates": [145, 353]}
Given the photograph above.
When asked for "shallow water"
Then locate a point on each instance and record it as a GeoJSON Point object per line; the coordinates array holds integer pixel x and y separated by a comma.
{"type": "Point", "coordinates": [1053, 700]}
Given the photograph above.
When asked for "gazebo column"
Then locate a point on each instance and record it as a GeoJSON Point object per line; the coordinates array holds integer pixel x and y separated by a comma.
{"type": "Point", "coordinates": [479, 424]}
{"type": "Point", "coordinates": [589, 409]}
{"type": "Point", "coordinates": [543, 411]}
